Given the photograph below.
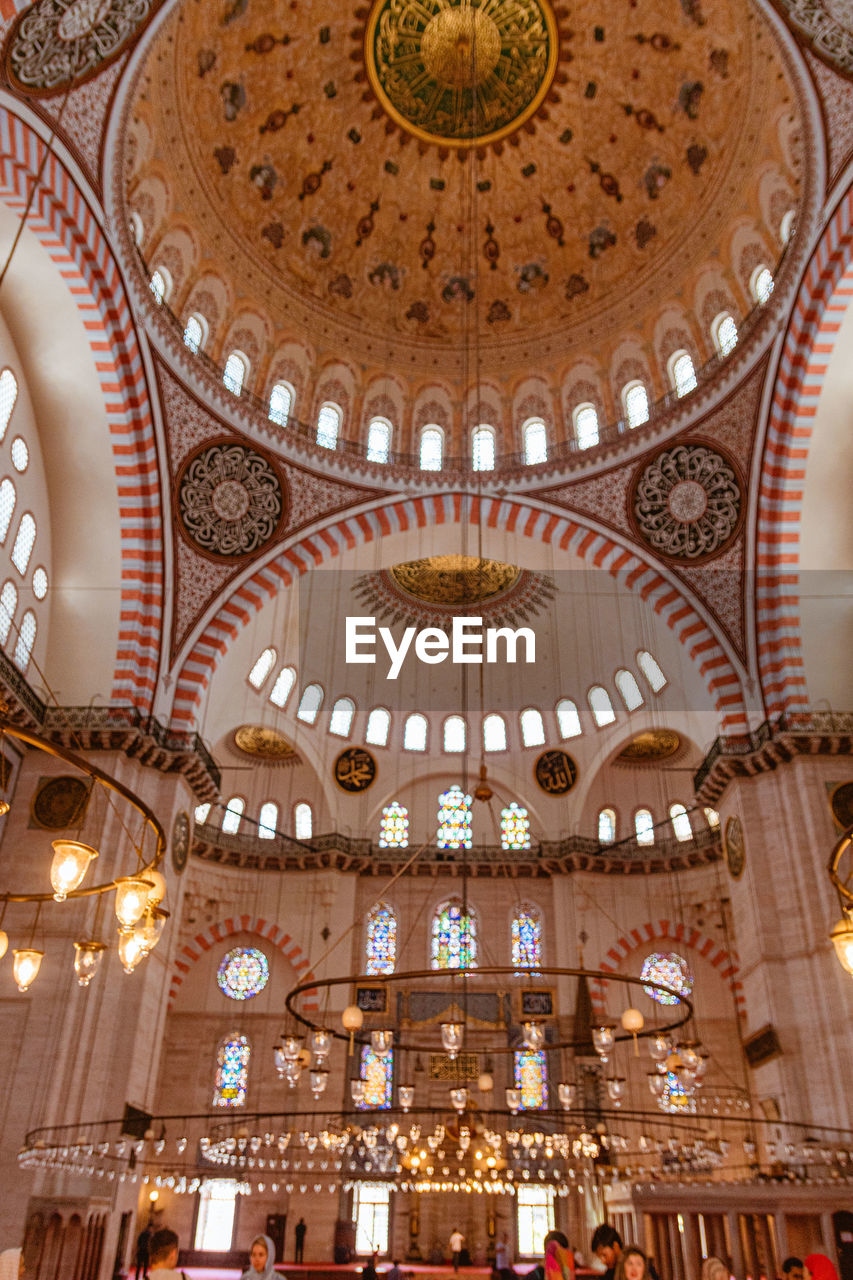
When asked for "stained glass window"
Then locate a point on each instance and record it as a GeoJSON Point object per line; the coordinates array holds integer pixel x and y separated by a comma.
{"type": "Point", "coordinates": [394, 827]}
{"type": "Point", "coordinates": [454, 938]}
{"type": "Point", "coordinates": [381, 940]}
{"type": "Point", "coordinates": [675, 1096]}
{"type": "Point", "coordinates": [8, 396]}
{"type": "Point", "coordinates": [378, 727]}
{"type": "Point", "coordinates": [535, 442]}
{"type": "Point", "coordinates": [531, 1077]}
{"type": "Point", "coordinates": [432, 446]}
{"type": "Point", "coordinates": [671, 970]}
{"type": "Point", "coordinates": [454, 820]}
{"type": "Point", "coordinates": [378, 1076]}
{"type": "Point", "coordinates": [651, 670]}
{"type": "Point", "coordinates": [527, 938]}
{"type": "Point", "coordinates": [281, 398]}
{"type": "Point", "coordinates": [232, 1070]}
{"type": "Point", "coordinates": [262, 668]}
{"type": "Point", "coordinates": [243, 973]}
{"type": "Point", "coordinates": [515, 827]}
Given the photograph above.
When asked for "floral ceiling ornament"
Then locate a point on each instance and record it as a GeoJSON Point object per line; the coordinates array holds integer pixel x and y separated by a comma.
{"type": "Point", "coordinates": [230, 500]}
{"type": "Point", "coordinates": [827, 25]}
{"type": "Point", "coordinates": [687, 502]}
{"type": "Point", "coordinates": [57, 42]}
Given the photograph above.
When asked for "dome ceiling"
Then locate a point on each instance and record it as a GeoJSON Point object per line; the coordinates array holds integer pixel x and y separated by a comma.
{"type": "Point", "coordinates": [336, 166]}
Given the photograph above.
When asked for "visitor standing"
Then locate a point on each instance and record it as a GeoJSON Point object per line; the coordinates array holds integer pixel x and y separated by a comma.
{"type": "Point", "coordinates": [632, 1265]}
{"type": "Point", "coordinates": [501, 1255]}
{"type": "Point", "coordinates": [299, 1236]}
{"type": "Point", "coordinates": [143, 1250]}
{"type": "Point", "coordinates": [606, 1244]}
{"type": "Point", "coordinates": [457, 1243]}
{"type": "Point", "coordinates": [163, 1256]}
{"type": "Point", "coordinates": [261, 1260]}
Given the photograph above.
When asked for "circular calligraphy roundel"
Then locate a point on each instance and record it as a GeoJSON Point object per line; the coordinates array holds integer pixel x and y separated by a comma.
{"type": "Point", "coordinates": [556, 772]}
{"type": "Point", "coordinates": [230, 500]}
{"type": "Point", "coordinates": [355, 770]}
{"type": "Point", "coordinates": [56, 43]}
{"type": "Point", "coordinates": [688, 501]}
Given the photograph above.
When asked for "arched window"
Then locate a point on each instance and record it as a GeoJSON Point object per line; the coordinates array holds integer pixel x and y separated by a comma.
{"type": "Point", "coordinates": [381, 940]}
{"type": "Point", "coordinates": [232, 1072]}
{"type": "Point", "coordinates": [455, 734]}
{"type": "Point", "coordinates": [680, 822]}
{"type": "Point", "coordinates": [483, 448]}
{"type": "Point", "coordinates": [515, 827]}
{"type": "Point", "coordinates": [24, 539]}
{"type": "Point", "coordinates": [394, 827]}
{"type": "Point", "coordinates": [268, 821]}
{"type": "Point", "coordinates": [454, 819]}
{"type": "Point", "coordinates": [644, 827]}
{"type": "Point", "coordinates": [195, 333]}
{"type": "Point", "coordinates": [568, 720]}
{"type": "Point", "coordinates": [432, 448]}
{"type": "Point", "coordinates": [378, 440]}
{"type": "Point", "coordinates": [532, 727]}
{"type": "Point", "coordinates": [20, 454]}
{"type": "Point", "coordinates": [711, 816]}
{"type": "Point", "coordinates": [137, 230]}
{"type": "Point", "coordinates": [607, 826]}
{"type": "Point", "coordinates": [303, 821]}
{"type": "Point", "coordinates": [415, 733]}
{"type": "Point", "coordinates": [340, 721]}
{"type": "Point", "coordinates": [329, 421]}
{"type": "Point", "coordinates": [39, 583]}
{"type": "Point", "coordinates": [263, 666]}
{"type": "Point", "coordinates": [378, 727]}
{"type": "Point", "coordinates": [8, 498]}
{"type": "Point", "coordinates": [651, 670]}
{"type": "Point", "coordinates": [234, 811]}
{"type": "Point", "coordinates": [786, 226]}
{"type": "Point", "coordinates": [761, 284]}
{"type": "Point", "coordinates": [454, 937]}
{"type": "Point", "coordinates": [310, 703]}
{"type": "Point", "coordinates": [526, 937]}
{"type": "Point", "coordinates": [600, 705]}
{"type": "Point", "coordinates": [629, 690]}
{"type": "Point", "coordinates": [8, 396]}
{"type": "Point", "coordinates": [724, 333]}
{"type": "Point", "coordinates": [234, 374]}
{"type": "Point", "coordinates": [377, 1072]}
{"type": "Point", "coordinates": [585, 420]}
{"type": "Point", "coordinates": [682, 375]}
{"type": "Point", "coordinates": [8, 605]}
{"type": "Point", "coordinates": [535, 442]}
{"type": "Point", "coordinates": [531, 1078]}
{"type": "Point", "coordinates": [160, 284]}
{"type": "Point", "coordinates": [200, 813]}
{"type": "Point", "coordinates": [26, 640]}
{"type": "Point", "coordinates": [494, 732]}
{"type": "Point", "coordinates": [635, 404]}
{"type": "Point", "coordinates": [285, 680]}
{"type": "Point", "coordinates": [281, 398]}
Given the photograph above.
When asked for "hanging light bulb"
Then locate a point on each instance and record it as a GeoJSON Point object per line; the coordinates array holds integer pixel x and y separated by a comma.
{"type": "Point", "coordinates": [533, 1035]}
{"type": "Point", "coordinates": [602, 1039]}
{"type": "Point", "coordinates": [842, 939]}
{"type": "Point", "coordinates": [485, 1082]}
{"type": "Point", "coordinates": [352, 1019]}
{"type": "Point", "coordinates": [381, 1042]}
{"type": "Point", "coordinates": [318, 1078]}
{"type": "Point", "coordinates": [70, 864]}
{"type": "Point", "coordinates": [566, 1094]}
{"type": "Point", "coordinates": [451, 1038]}
{"type": "Point", "coordinates": [321, 1044]}
{"type": "Point", "coordinates": [280, 1060]}
{"type": "Point", "coordinates": [406, 1094]}
{"type": "Point", "coordinates": [633, 1021]}
{"type": "Point", "coordinates": [689, 1051]}
{"type": "Point", "coordinates": [25, 966]}
{"type": "Point", "coordinates": [459, 1098]}
{"type": "Point", "coordinates": [292, 1047]}
{"type": "Point", "coordinates": [356, 1088]}
{"type": "Point", "coordinates": [656, 1083]}
{"type": "Point", "coordinates": [129, 949]}
{"type": "Point", "coordinates": [131, 900]}
{"type": "Point", "coordinates": [513, 1100]}
{"type": "Point", "coordinates": [149, 929]}
{"type": "Point", "coordinates": [4, 943]}
{"type": "Point", "coordinates": [87, 960]}
{"type": "Point", "coordinates": [616, 1089]}
{"type": "Point", "coordinates": [292, 1072]}
{"type": "Point", "coordinates": [157, 892]}
{"type": "Point", "coordinates": [659, 1046]}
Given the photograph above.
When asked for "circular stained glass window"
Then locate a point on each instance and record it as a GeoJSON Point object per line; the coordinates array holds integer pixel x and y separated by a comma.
{"type": "Point", "coordinates": [670, 970]}
{"type": "Point", "coordinates": [243, 973]}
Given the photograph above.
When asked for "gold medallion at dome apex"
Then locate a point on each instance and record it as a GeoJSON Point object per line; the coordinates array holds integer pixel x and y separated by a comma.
{"type": "Point", "coordinates": [457, 73]}
{"type": "Point", "coordinates": [454, 580]}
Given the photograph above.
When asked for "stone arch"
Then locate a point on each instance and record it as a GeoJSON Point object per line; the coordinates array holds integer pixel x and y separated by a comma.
{"type": "Point", "coordinates": [516, 515]}
{"type": "Point", "coordinates": [686, 936]}
{"type": "Point", "coordinates": [190, 952]}
{"type": "Point", "coordinates": [65, 225]}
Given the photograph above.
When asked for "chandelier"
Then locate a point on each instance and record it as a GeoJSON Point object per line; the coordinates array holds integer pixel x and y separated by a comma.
{"type": "Point", "coordinates": [842, 935]}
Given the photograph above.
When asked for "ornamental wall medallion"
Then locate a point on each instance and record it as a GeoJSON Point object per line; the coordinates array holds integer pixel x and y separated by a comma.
{"type": "Point", "coordinates": [734, 847]}
{"type": "Point", "coordinates": [687, 502]}
{"type": "Point", "coordinates": [826, 25]}
{"type": "Point", "coordinates": [555, 772]}
{"type": "Point", "coordinates": [650, 746]}
{"type": "Point", "coordinates": [60, 802]}
{"type": "Point", "coordinates": [456, 74]}
{"type": "Point", "coordinates": [354, 770]}
{"type": "Point", "coordinates": [841, 803]}
{"type": "Point", "coordinates": [230, 500]}
{"type": "Point", "coordinates": [264, 743]}
{"type": "Point", "coordinates": [180, 841]}
{"type": "Point", "coordinates": [57, 42]}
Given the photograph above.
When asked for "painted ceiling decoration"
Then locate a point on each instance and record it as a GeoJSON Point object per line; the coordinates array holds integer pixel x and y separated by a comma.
{"type": "Point", "coordinates": [437, 588]}
{"type": "Point", "coordinates": [265, 744]}
{"type": "Point", "coordinates": [57, 43]}
{"type": "Point", "coordinates": [688, 501]}
{"type": "Point", "coordinates": [455, 580]}
{"type": "Point", "coordinates": [230, 500]}
{"type": "Point", "coordinates": [827, 26]}
{"type": "Point", "coordinates": [650, 747]}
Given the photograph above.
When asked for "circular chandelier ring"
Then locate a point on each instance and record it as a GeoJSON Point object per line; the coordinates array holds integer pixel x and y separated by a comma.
{"type": "Point", "coordinates": [841, 847]}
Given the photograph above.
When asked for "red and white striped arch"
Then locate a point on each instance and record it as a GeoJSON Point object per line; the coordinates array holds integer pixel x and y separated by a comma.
{"type": "Point", "coordinates": [513, 515]}
{"type": "Point", "coordinates": [684, 936]}
{"type": "Point", "coordinates": [825, 294]}
{"type": "Point", "coordinates": [191, 952]}
{"type": "Point", "coordinates": [63, 222]}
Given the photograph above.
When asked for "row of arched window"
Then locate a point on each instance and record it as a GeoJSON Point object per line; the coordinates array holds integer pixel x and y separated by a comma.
{"type": "Point", "coordinates": [454, 936]}
{"type": "Point", "coordinates": [302, 818]}
{"type": "Point", "coordinates": [431, 442]}
{"type": "Point", "coordinates": [454, 729]}
{"type": "Point", "coordinates": [644, 824]}
{"type": "Point", "coordinates": [22, 545]}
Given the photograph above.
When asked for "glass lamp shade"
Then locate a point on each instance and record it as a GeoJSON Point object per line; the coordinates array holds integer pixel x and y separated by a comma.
{"type": "Point", "coordinates": [459, 1098]}
{"type": "Point", "coordinates": [130, 950]}
{"type": "Point", "coordinates": [356, 1088]}
{"type": "Point", "coordinates": [658, 1046]}
{"type": "Point", "coordinates": [842, 940]}
{"type": "Point", "coordinates": [602, 1038]}
{"type": "Point", "coordinates": [4, 808]}
{"type": "Point", "coordinates": [352, 1018]}
{"type": "Point", "coordinates": [701, 1065]}
{"type": "Point", "coordinates": [532, 1035]}
{"type": "Point", "coordinates": [406, 1094]}
{"type": "Point", "coordinates": [150, 928]}
{"type": "Point", "coordinates": [280, 1060]}
{"type": "Point", "coordinates": [25, 967]}
{"type": "Point", "coordinates": [566, 1094]}
{"type": "Point", "coordinates": [87, 960]}
{"type": "Point", "coordinates": [616, 1089]}
{"type": "Point", "coordinates": [321, 1044]}
{"type": "Point", "coordinates": [486, 1082]}
{"type": "Point", "coordinates": [656, 1083]}
{"type": "Point", "coordinates": [157, 892]}
{"type": "Point", "coordinates": [633, 1020]}
{"type": "Point", "coordinates": [131, 900]}
{"type": "Point", "coordinates": [292, 1072]}
{"type": "Point", "coordinates": [4, 943]}
{"type": "Point", "coordinates": [513, 1100]}
{"type": "Point", "coordinates": [318, 1078]}
{"type": "Point", "coordinates": [690, 1055]}
{"type": "Point", "coordinates": [451, 1038]}
{"type": "Point", "coordinates": [292, 1047]}
{"type": "Point", "coordinates": [70, 864]}
{"type": "Point", "coordinates": [381, 1042]}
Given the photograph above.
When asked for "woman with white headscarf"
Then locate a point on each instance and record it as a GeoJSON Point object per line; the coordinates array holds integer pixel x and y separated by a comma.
{"type": "Point", "coordinates": [261, 1260]}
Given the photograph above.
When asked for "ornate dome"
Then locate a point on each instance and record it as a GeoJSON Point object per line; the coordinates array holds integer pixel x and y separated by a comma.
{"type": "Point", "coordinates": [330, 176]}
